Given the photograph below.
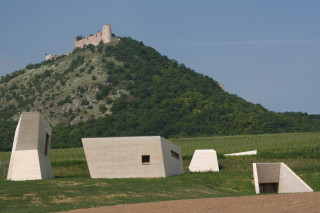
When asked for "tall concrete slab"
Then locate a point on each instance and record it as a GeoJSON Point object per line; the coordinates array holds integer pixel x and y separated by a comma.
{"type": "Point", "coordinates": [277, 178]}
{"type": "Point", "coordinates": [128, 157]}
{"type": "Point", "coordinates": [204, 160]}
{"type": "Point", "coordinates": [30, 151]}
{"type": "Point", "coordinates": [172, 158]}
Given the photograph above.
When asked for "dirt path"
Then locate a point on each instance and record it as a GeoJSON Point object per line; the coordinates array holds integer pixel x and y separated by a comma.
{"type": "Point", "coordinates": [300, 202]}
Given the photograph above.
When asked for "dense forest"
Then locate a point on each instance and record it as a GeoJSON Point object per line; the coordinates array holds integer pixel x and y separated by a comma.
{"type": "Point", "coordinates": [129, 89]}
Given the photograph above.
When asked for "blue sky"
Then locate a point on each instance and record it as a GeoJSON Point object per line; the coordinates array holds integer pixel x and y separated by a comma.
{"type": "Point", "coordinates": [266, 52]}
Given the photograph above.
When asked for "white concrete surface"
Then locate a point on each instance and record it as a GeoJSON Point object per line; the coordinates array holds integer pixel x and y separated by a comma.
{"type": "Point", "coordinates": [281, 174]}
{"type": "Point", "coordinates": [204, 160]}
{"type": "Point", "coordinates": [29, 157]}
{"type": "Point", "coordinates": [121, 157]}
{"type": "Point", "coordinates": [255, 178]}
{"type": "Point", "coordinates": [253, 152]}
{"type": "Point", "coordinates": [289, 182]}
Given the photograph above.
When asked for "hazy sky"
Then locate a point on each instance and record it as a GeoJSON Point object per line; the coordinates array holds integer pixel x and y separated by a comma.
{"type": "Point", "coordinates": [266, 52]}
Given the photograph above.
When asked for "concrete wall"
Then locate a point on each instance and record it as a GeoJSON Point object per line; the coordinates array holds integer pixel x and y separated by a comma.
{"type": "Point", "coordinates": [14, 147]}
{"type": "Point", "coordinates": [289, 182]}
{"type": "Point", "coordinates": [28, 160]}
{"type": "Point", "coordinates": [255, 178]}
{"type": "Point", "coordinates": [268, 172]}
{"type": "Point", "coordinates": [105, 36]}
{"type": "Point", "coordinates": [121, 157]}
{"type": "Point", "coordinates": [28, 131]}
{"type": "Point", "coordinates": [279, 173]}
{"type": "Point", "coordinates": [44, 129]}
{"type": "Point", "coordinates": [172, 165]}
{"type": "Point", "coordinates": [204, 160]}
{"type": "Point", "coordinates": [26, 166]}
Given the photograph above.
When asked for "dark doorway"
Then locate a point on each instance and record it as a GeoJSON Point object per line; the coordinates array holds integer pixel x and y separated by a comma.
{"type": "Point", "coordinates": [268, 187]}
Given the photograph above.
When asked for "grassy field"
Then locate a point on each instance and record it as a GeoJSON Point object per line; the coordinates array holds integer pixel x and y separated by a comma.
{"type": "Point", "coordinates": [72, 188]}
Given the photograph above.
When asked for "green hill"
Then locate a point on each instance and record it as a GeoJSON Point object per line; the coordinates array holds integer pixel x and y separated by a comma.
{"type": "Point", "coordinates": [127, 88]}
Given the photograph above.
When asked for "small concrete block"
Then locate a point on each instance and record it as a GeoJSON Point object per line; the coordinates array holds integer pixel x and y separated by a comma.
{"type": "Point", "coordinates": [204, 160]}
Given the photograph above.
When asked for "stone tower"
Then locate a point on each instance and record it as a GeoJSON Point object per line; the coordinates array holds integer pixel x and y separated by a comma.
{"type": "Point", "coordinates": [106, 33]}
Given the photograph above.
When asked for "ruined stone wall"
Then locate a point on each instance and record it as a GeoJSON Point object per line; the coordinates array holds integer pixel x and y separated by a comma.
{"type": "Point", "coordinates": [95, 39]}
{"type": "Point", "coordinates": [105, 36]}
{"type": "Point", "coordinates": [51, 56]}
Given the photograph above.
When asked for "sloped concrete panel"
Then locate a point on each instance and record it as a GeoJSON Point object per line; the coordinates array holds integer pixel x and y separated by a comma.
{"type": "Point", "coordinates": [122, 157]}
{"type": "Point", "coordinates": [30, 152]}
{"type": "Point", "coordinates": [253, 152]}
{"type": "Point", "coordinates": [289, 182]}
{"type": "Point", "coordinates": [172, 158]}
{"type": "Point", "coordinates": [204, 160]}
{"type": "Point", "coordinates": [14, 147]}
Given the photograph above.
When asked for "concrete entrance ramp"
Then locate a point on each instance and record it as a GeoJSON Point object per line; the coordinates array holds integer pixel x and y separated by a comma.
{"type": "Point", "coordinates": [277, 178]}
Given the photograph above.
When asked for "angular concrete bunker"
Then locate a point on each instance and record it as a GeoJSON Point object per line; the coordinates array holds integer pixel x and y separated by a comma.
{"type": "Point", "coordinates": [204, 160]}
{"type": "Point", "coordinates": [30, 151]}
{"type": "Point", "coordinates": [127, 157]}
{"type": "Point", "coordinates": [277, 178]}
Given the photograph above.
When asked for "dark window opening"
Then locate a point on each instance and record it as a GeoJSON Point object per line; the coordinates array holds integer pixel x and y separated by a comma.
{"type": "Point", "coordinates": [46, 148]}
{"type": "Point", "coordinates": [175, 155]}
{"type": "Point", "coordinates": [145, 158]}
{"type": "Point", "coordinates": [268, 187]}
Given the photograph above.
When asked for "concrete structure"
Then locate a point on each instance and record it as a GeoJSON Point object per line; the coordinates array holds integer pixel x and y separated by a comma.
{"type": "Point", "coordinates": [277, 178]}
{"type": "Point", "coordinates": [104, 35]}
{"type": "Point", "coordinates": [204, 160]}
{"type": "Point", "coordinates": [127, 157]}
{"type": "Point", "coordinates": [30, 151]}
{"type": "Point", "coordinates": [254, 152]}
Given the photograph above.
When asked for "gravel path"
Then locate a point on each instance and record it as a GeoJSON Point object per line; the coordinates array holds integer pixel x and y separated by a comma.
{"type": "Point", "coordinates": [299, 202]}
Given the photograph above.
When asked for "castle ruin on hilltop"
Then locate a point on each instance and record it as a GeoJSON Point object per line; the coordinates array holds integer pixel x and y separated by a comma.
{"type": "Point", "coordinates": [104, 35]}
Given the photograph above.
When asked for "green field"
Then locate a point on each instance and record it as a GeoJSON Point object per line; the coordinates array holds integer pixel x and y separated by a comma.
{"type": "Point", "coordinates": [72, 188]}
